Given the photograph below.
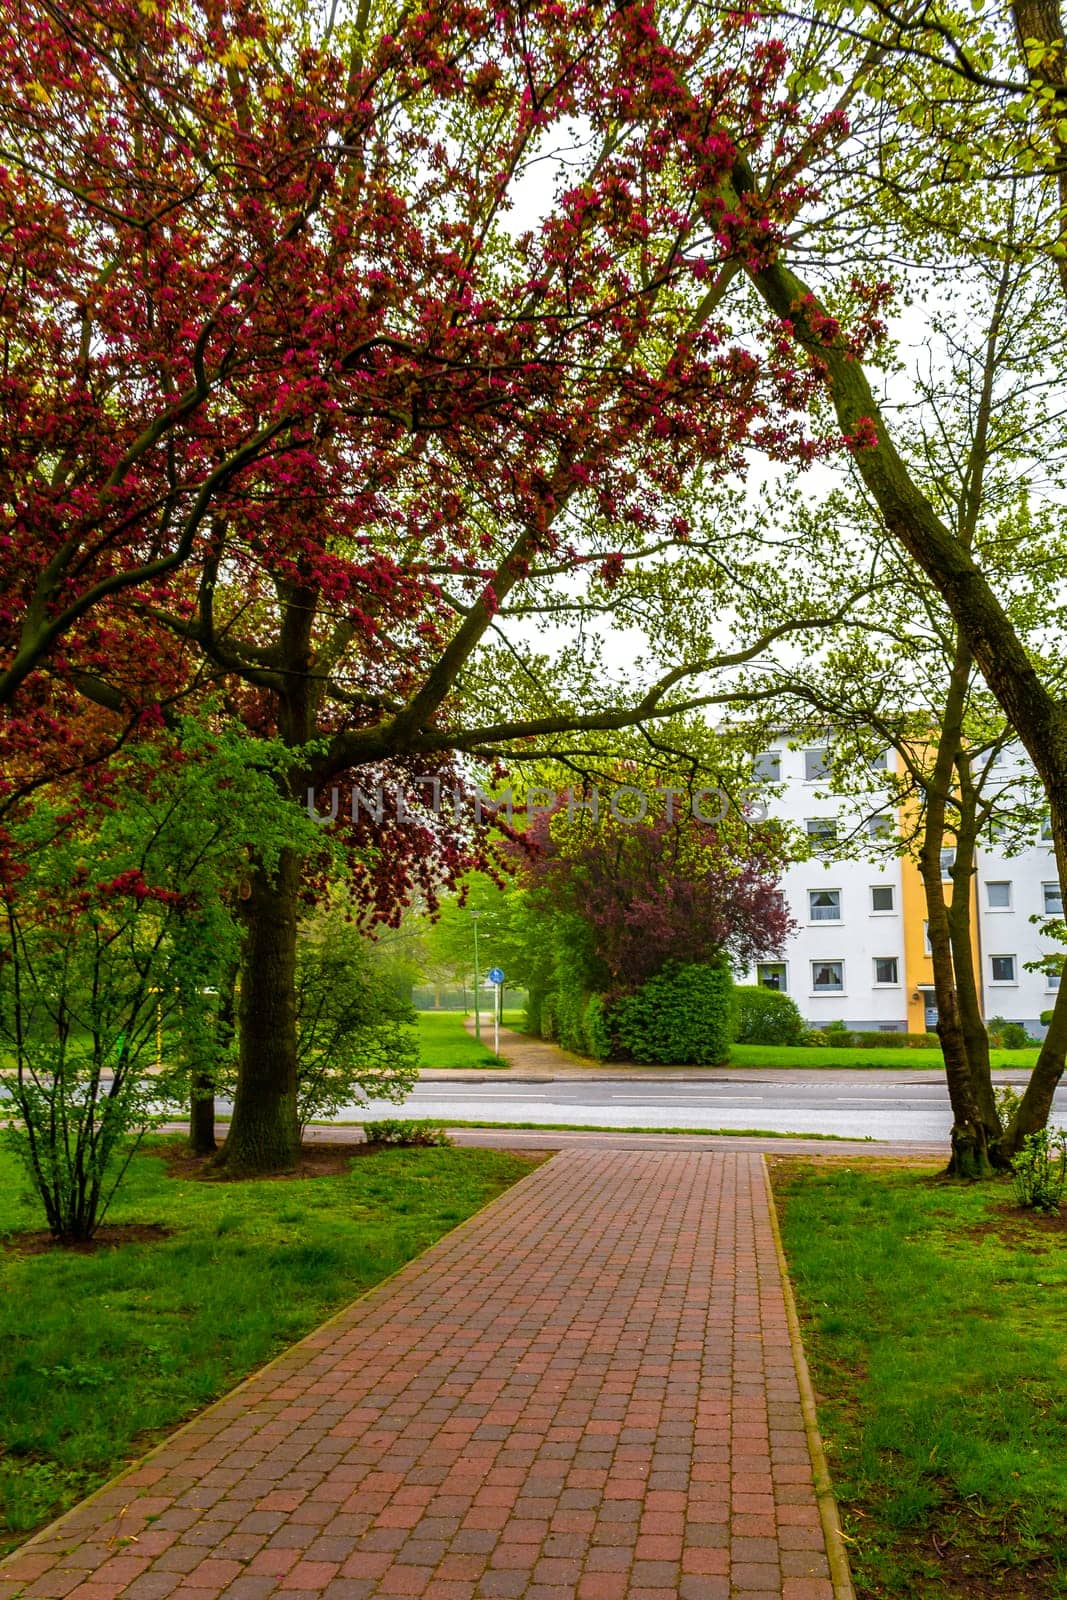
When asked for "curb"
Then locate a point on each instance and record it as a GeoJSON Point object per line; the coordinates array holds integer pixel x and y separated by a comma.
{"type": "Point", "coordinates": [840, 1573]}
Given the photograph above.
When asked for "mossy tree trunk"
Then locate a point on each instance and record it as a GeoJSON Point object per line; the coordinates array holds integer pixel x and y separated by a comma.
{"type": "Point", "coordinates": [264, 1134]}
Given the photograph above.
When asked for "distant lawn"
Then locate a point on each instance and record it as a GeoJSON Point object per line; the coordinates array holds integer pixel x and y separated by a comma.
{"type": "Point", "coordinates": [102, 1353]}
{"type": "Point", "coordinates": [933, 1319]}
{"type": "Point", "coordinates": [445, 1042]}
{"type": "Point", "coordinates": [764, 1055]}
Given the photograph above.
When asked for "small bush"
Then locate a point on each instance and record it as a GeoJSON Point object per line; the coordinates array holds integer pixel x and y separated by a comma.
{"type": "Point", "coordinates": [680, 1017]}
{"type": "Point", "coordinates": [816, 1038]}
{"type": "Point", "coordinates": [765, 1016]}
{"type": "Point", "coordinates": [1045, 1019]}
{"type": "Point", "coordinates": [1004, 1035]}
{"type": "Point", "coordinates": [1039, 1171]}
{"type": "Point", "coordinates": [405, 1131]}
{"type": "Point", "coordinates": [1007, 1101]}
{"type": "Point", "coordinates": [595, 1031]}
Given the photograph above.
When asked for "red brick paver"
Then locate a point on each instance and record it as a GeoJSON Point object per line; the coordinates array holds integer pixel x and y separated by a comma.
{"type": "Point", "coordinates": [588, 1391]}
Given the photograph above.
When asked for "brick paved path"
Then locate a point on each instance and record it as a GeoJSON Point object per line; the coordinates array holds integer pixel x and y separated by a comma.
{"type": "Point", "coordinates": [586, 1390]}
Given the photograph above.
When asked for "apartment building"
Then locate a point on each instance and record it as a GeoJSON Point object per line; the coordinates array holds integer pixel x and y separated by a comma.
{"type": "Point", "coordinates": [861, 952]}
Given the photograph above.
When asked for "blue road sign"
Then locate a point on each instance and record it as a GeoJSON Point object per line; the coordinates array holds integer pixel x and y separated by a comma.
{"type": "Point", "coordinates": [496, 974]}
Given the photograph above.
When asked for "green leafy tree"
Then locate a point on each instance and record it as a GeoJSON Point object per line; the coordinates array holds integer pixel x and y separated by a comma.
{"type": "Point", "coordinates": [116, 927]}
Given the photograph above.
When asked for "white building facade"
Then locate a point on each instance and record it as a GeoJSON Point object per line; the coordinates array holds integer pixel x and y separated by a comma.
{"type": "Point", "coordinates": [860, 954]}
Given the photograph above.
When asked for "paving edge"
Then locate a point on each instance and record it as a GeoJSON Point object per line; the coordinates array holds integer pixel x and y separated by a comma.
{"type": "Point", "coordinates": [53, 1529]}
{"type": "Point", "coordinates": [840, 1572]}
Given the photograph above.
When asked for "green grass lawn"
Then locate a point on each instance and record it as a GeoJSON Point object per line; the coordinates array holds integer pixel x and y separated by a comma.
{"type": "Point", "coordinates": [934, 1319]}
{"type": "Point", "coordinates": [102, 1353]}
{"type": "Point", "coordinates": [445, 1042]}
{"type": "Point", "coordinates": [783, 1055]}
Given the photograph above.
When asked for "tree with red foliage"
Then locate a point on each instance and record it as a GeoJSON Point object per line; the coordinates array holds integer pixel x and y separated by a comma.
{"type": "Point", "coordinates": [290, 406]}
{"type": "Point", "coordinates": [661, 891]}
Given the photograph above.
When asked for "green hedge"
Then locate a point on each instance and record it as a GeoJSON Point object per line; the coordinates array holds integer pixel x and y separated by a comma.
{"type": "Point", "coordinates": [765, 1016]}
{"type": "Point", "coordinates": [680, 1017]}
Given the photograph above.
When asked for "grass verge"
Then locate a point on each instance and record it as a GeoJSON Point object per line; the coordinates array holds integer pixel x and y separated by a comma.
{"type": "Point", "coordinates": [787, 1055]}
{"type": "Point", "coordinates": [933, 1320]}
{"type": "Point", "coordinates": [445, 1042]}
{"type": "Point", "coordinates": [102, 1353]}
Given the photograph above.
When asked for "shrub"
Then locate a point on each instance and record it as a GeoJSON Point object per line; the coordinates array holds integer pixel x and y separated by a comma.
{"type": "Point", "coordinates": [1004, 1035]}
{"type": "Point", "coordinates": [595, 1030]}
{"type": "Point", "coordinates": [1045, 1019]}
{"type": "Point", "coordinates": [405, 1131]}
{"type": "Point", "coordinates": [355, 1036]}
{"type": "Point", "coordinates": [1039, 1170]}
{"type": "Point", "coordinates": [816, 1038]}
{"type": "Point", "coordinates": [1007, 1101]}
{"type": "Point", "coordinates": [765, 1016]}
{"type": "Point", "coordinates": [681, 1016]}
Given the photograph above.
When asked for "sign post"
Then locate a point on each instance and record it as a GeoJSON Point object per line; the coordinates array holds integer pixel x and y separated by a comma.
{"type": "Point", "coordinates": [496, 976]}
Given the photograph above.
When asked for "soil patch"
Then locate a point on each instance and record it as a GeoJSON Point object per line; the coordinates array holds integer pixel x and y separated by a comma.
{"type": "Point", "coordinates": [1024, 1230]}
{"type": "Point", "coordinates": [107, 1237]}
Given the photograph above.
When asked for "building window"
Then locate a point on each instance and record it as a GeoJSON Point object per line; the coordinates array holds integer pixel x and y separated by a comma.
{"type": "Point", "coordinates": [880, 762]}
{"type": "Point", "coordinates": [882, 897]}
{"type": "Point", "coordinates": [998, 896]}
{"type": "Point", "coordinates": [822, 831]}
{"type": "Point", "coordinates": [816, 765]}
{"type": "Point", "coordinates": [1052, 895]}
{"type": "Point", "coordinates": [880, 826]}
{"type": "Point", "coordinates": [772, 975]}
{"type": "Point", "coordinates": [928, 948]}
{"type": "Point", "coordinates": [1052, 981]}
{"type": "Point", "coordinates": [768, 766]}
{"type": "Point", "coordinates": [1003, 969]}
{"type": "Point", "coordinates": [828, 977]}
{"type": "Point", "coordinates": [885, 969]}
{"type": "Point", "coordinates": [1046, 828]}
{"type": "Point", "coordinates": [824, 905]}
{"type": "Point", "coordinates": [948, 861]}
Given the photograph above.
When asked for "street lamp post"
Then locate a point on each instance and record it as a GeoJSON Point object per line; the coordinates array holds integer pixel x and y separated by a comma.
{"type": "Point", "coordinates": [477, 994]}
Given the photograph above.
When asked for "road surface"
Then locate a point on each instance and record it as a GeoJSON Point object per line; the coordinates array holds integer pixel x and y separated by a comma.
{"type": "Point", "coordinates": [861, 1106]}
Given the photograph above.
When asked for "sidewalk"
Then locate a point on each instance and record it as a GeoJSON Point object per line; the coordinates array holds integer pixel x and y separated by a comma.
{"type": "Point", "coordinates": [539, 1061]}
{"type": "Point", "coordinates": [587, 1390]}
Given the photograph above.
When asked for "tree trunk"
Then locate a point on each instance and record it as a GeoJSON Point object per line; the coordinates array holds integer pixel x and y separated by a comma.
{"type": "Point", "coordinates": [202, 1114]}
{"type": "Point", "coordinates": [202, 1140]}
{"type": "Point", "coordinates": [960, 919]}
{"type": "Point", "coordinates": [264, 1135]}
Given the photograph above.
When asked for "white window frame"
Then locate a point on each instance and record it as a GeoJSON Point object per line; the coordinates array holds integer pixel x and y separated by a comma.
{"type": "Point", "coordinates": [876, 911]}
{"type": "Point", "coordinates": [1045, 887]}
{"type": "Point", "coordinates": [997, 882]}
{"type": "Point", "coordinates": [1052, 981]}
{"type": "Point", "coordinates": [766, 777]}
{"type": "Point", "coordinates": [880, 762]}
{"type": "Point", "coordinates": [817, 990]}
{"type": "Point", "coordinates": [821, 921]}
{"type": "Point", "coordinates": [1046, 828]}
{"type": "Point", "coordinates": [946, 867]}
{"type": "Point", "coordinates": [886, 983]}
{"type": "Point", "coordinates": [1004, 983]}
{"type": "Point", "coordinates": [881, 826]}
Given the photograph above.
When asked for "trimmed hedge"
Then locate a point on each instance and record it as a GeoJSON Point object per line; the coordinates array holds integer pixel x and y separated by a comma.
{"type": "Point", "coordinates": [847, 1039]}
{"type": "Point", "coordinates": [765, 1016]}
{"type": "Point", "coordinates": [681, 1017]}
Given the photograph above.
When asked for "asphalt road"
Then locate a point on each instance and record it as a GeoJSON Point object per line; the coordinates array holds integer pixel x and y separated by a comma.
{"type": "Point", "coordinates": [865, 1108]}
